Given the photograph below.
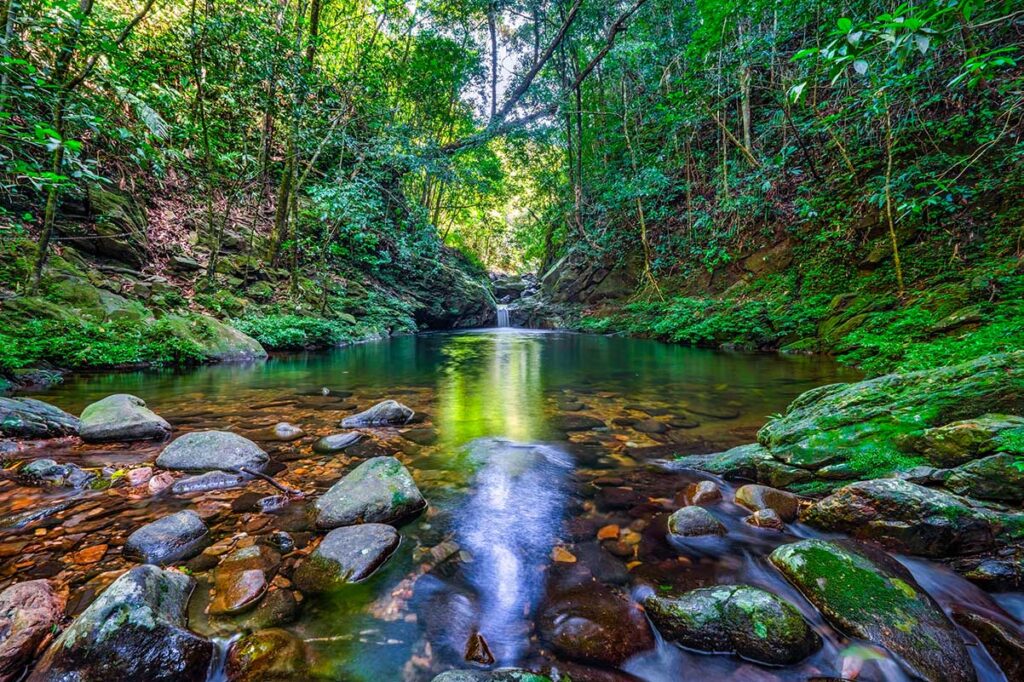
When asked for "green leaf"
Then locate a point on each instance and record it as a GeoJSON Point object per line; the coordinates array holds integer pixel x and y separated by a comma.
{"type": "Point", "coordinates": [844, 24]}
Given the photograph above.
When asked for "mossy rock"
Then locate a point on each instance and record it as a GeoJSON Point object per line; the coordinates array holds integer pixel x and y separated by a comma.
{"type": "Point", "coordinates": [867, 594]}
{"type": "Point", "coordinates": [271, 654]}
{"type": "Point", "coordinates": [961, 441]}
{"type": "Point", "coordinates": [998, 477]}
{"type": "Point", "coordinates": [740, 462]}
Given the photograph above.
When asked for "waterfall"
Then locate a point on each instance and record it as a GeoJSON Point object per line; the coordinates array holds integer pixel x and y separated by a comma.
{"type": "Point", "coordinates": [503, 315]}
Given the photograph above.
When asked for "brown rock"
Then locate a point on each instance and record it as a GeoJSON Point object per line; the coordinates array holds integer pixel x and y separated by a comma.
{"type": "Point", "coordinates": [28, 613]}
{"type": "Point", "coordinates": [703, 492]}
{"type": "Point", "coordinates": [758, 497]}
{"type": "Point", "coordinates": [766, 518]}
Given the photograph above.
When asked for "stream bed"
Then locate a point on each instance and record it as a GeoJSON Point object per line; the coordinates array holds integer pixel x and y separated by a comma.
{"type": "Point", "coordinates": [528, 446]}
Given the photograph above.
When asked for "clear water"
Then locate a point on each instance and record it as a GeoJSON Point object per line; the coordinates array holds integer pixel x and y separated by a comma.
{"type": "Point", "coordinates": [509, 493]}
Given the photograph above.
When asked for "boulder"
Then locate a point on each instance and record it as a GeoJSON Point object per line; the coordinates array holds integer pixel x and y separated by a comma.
{"type": "Point", "coordinates": [997, 477]}
{"type": "Point", "coordinates": [380, 490]}
{"type": "Point", "coordinates": [760, 497]}
{"type": "Point", "coordinates": [739, 462]}
{"type": "Point", "coordinates": [271, 654]}
{"type": "Point", "coordinates": [867, 594]}
{"type": "Point", "coordinates": [29, 614]}
{"type": "Point", "coordinates": [1003, 640]}
{"type": "Point", "coordinates": [704, 492]}
{"type": "Point", "coordinates": [30, 418]}
{"type": "Point", "coordinates": [336, 442]}
{"type": "Point", "coordinates": [242, 578]}
{"type": "Point", "coordinates": [386, 413]}
{"type": "Point", "coordinates": [135, 630]}
{"type": "Point", "coordinates": [906, 517]}
{"type": "Point", "coordinates": [168, 540]}
{"type": "Point", "coordinates": [212, 450]}
{"type": "Point", "coordinates": [121, 417]}
{"type": "Point", "coordinates": [47, 472]}
{"type": "Point", "coordinates": [346, 555]}
{"type": "Point", "coordinates": [595, 624]}
{"type": "Point", "coordinates": [748, 621]}
{"type": "Point", "coordinates": [961, 441]}
{"type": "Point", "coordinates": [691, 522]}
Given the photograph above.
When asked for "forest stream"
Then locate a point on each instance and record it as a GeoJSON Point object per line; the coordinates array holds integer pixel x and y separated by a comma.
{"type": "Point", "coordinates": [543, 460]}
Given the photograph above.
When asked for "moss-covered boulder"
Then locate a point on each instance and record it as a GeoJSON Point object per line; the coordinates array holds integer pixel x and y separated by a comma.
{"type": "Point", "coordinates": [135, 630]}
{"type": "Point", "coordinates": [998, 477]}
{"type": "Point", "coordinates": [217, 341]}
{"type": "Point", "coordinates": [121, 417]}
{"type": "Point", "coordinates": [739, 462]}
{"type": "Point", "coordinates": [910, 518]}
{"type": "Point", "coordinates": [30, 418]}
{"type": "Point", "coordinates": [961, 441]}
{"type": "Point", "coordinates": [866, 594]}
{"type": "Point", "coordinates": [346, 555]}
{"type": "Point", "coordinates": [380, 490]}
{"type": "Point", "coordinates": [748, 621]}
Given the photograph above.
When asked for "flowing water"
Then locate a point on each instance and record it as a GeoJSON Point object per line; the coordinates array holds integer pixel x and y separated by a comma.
{"type": "Point", "coordinates": [502, 315]}
{"type": "Point", "coordinates": [515, 502]}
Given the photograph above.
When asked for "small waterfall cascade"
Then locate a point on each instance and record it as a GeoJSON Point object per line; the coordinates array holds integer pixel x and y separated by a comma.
{"type": "Point", "coordinates": [503, 320]}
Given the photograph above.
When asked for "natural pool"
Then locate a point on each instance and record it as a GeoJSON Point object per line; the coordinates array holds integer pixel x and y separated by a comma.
{"type": "Point", "coordinates": [522, 482]}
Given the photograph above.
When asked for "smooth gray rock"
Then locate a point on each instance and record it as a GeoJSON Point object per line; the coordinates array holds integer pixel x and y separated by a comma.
{"type": "Point", "coordinates": [121, 417]}
{"type": "Point", "coordinates": [380, 490]}
{"type": "Point", "coordinates": [387, 413]}
{"type": "Point", "coordinates": [173, 538]}
{"type": "Point", "coordinates": [212, 450]}
{"type": "Point", "coordinates": [30, 418]}
{"type": "Point", "coordinates": [135, 630]}
{"type": "Point", "coordinates": [691, 522]}
{"type": "Point", "coordinates": [346, 555]}
{"type": "Point", "coordinates": [336, 442]}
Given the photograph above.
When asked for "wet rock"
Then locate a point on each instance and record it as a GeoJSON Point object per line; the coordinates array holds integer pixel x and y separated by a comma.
{"type": "Point", "coordinates": [160, 482]}
{"type": "Point", "coordinates": [387, 413]}
{"type": "Point", "coordinates": [478, 651]}
{"type": "Point", "coordinates": [46, 472]}
{"type": "Point", "coordinates": [29, 613]}
{"type": "Point", "coordinates": [242, 578]}
{"type": "Point", "coordinates": [996, 477]}
{"type": "Point", "coordinates": [336, 442]}
{"type": "Point", "coordinates": [617, 497]}
{"type": "Point", "coordinates": [424, 436]}
{"type": "Point", "coordinates": [576, 422]}
{"type": "Point", "coordinates": [1004, 645]}
{"type": "Point", "coordinates": [682, 422]}
{"type": "Point", "coordinates": [369, 448]}
{"type": "Point", "coordinates": [121, 417]}
{"type": "Point", "coordinates": [704, 492]}
{"type": "Point", "coordinates": [999, 571]}
{"type": "Point", "coordinates": [211, 480]}
{"type": "Point", "coordinates": [758, 497]}
{"type": "Point", "coordinates": [740, 462]}
{"type": "Point", "coordinates": [750, 622]}
{"type": "Point", "coordinates": [595, 624]}
{"type": "Point", "coordinates": [379, 490]}
{"type": "Point", "coordinates": [285, 432]}
{"type": "Point", "coordinates": [135, 630]}
{"type": "Point", "coordinates": [959, 442]}
{"type": "Point", "coordinates": [139, 476]}
{"type": "Point", "coordinates": [767, 519]}
{"type": "Point", "coordinates": [691, 522]}
{"type": "Point", "coordinates": [500, 675]}
{"type": "Point", "coordinates": [714, 411]}
{"type": "Point", "coordinates": [906, 517]}
{"type": "Point", "coordinates": [168, 540]}
{"type": "Point", "coordinates": [212, 450]}
{"type": "Point", "coordinates": [867, 594]}
{"type": "Point", "coordinates": [271, 654]}
{"type": "Point", "coordinates": [650, 426]}
{"type": "Point", "coordinates": [273, 503]}
{"type": "Point", "coordinates": [346, 555]}
{"type": "Point", "coordinates": [30, 418]}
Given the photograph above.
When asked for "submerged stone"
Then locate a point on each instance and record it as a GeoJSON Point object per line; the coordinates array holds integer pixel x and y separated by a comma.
{"type": "Point", "coordinates": [380, 490]}
{"type": "Point", "coordinates": [242, 578]}
{"type": "Point", "coordinates": [386, 413]}
{"type": "Point", "coordinates": [576, 422]}
{"type": "Point", "coordinates": [135, 630]}
{"type": "Point", "coordinates": [47, 472]}
{"type": "Point", "coordinates": [212, 450]}
{"type": "Point", "coordinates": [754, 624]}
{"type": "Point", "coordinates": [30, 418]}
{"type": "Point", "coordinates": [867, 594]}
{"type": "Point", "coordinates": [121, 417]}
{"type": "Point", "coordinates": [211, 480]}
{"type": "Point", "coordinates": [168, 540]}
{"type": "Point", "coordinates": [336, 442]}
{"type": "Point", "coordinates": [346, 555]}
{"type": "Point", "coordinates": [271, 654]}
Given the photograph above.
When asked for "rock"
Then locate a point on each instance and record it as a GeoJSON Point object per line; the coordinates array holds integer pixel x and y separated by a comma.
{"type": "Point", "coordinates": [121, 417]}
{"type": "Point", "coordinates": [387, 413]}
{"type": "Point", "coordinates": [867, 594]}
{"type": "Point", "coordinates": [961, 441]}
{"type": "Point", "coordinates": [740, 462]}
{"type": "Point", "coordinates": [998, 571]}
{"type": "Point", "coordinates": [714, 411]}
{"type": "Point", "coordinates": [996, 477]}
{"type": "Point", "coordinates": [854, 422]}
{"type": "Point", "coordinates": [336, 442]}
{"type": "Point", "coordinates": [160, 482]}
{"type": "Point", "coordinates": [139, 476]}
{"type": "Point", "coordinates": [212, 450]}
{"type": "Point", "coordinates": [380, 490]}
{"type": "Point", "coordinates": [766, 518]}
{"type": "Point", "coordinates": [691, 522]}
{"type": "Point", "coordinates": [46, 472]}
{"type": "Point", "coordinates": [576, 422]}
{"type": "Point", "coordinates": [29, 614]}
{"type": "Point", "coordinates": [748, 621]}
{"type": "Point", "coordinates": [242, 578]}
{"type": "Point", "coordinates": [285, 432]}
{"type": "Point", "coordinates": [211, 480]}
{"type": "Point", "coordinates": [30, 418]}
{"type": "Point", "coordinates": [346, 555]}
{"type": "Point", "coordinates": [270, 654]}
{"type": "Point", "coordinates": [168, 540]}
{"type": "Point", "coordinates": [135, 630]}
{"type": "Point", "coordinates": [223, 343]}
{"type": "Point", "coordinates": [758, 497]}
{"type": "Point", "coordinates": [704, 492]}
{"type": "Point", "coordinates": [594, 624]}
{"type": "Point", "coordinates": [650, 426]}
{"type": "Point", "coordinates": [1004, 645]}
{"type": "Point", "coordinates": [500, 675]}
{"type": "Point", "coordinates": [905, 517]}
{"type": "Point", "coordinates": [424, 436]}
